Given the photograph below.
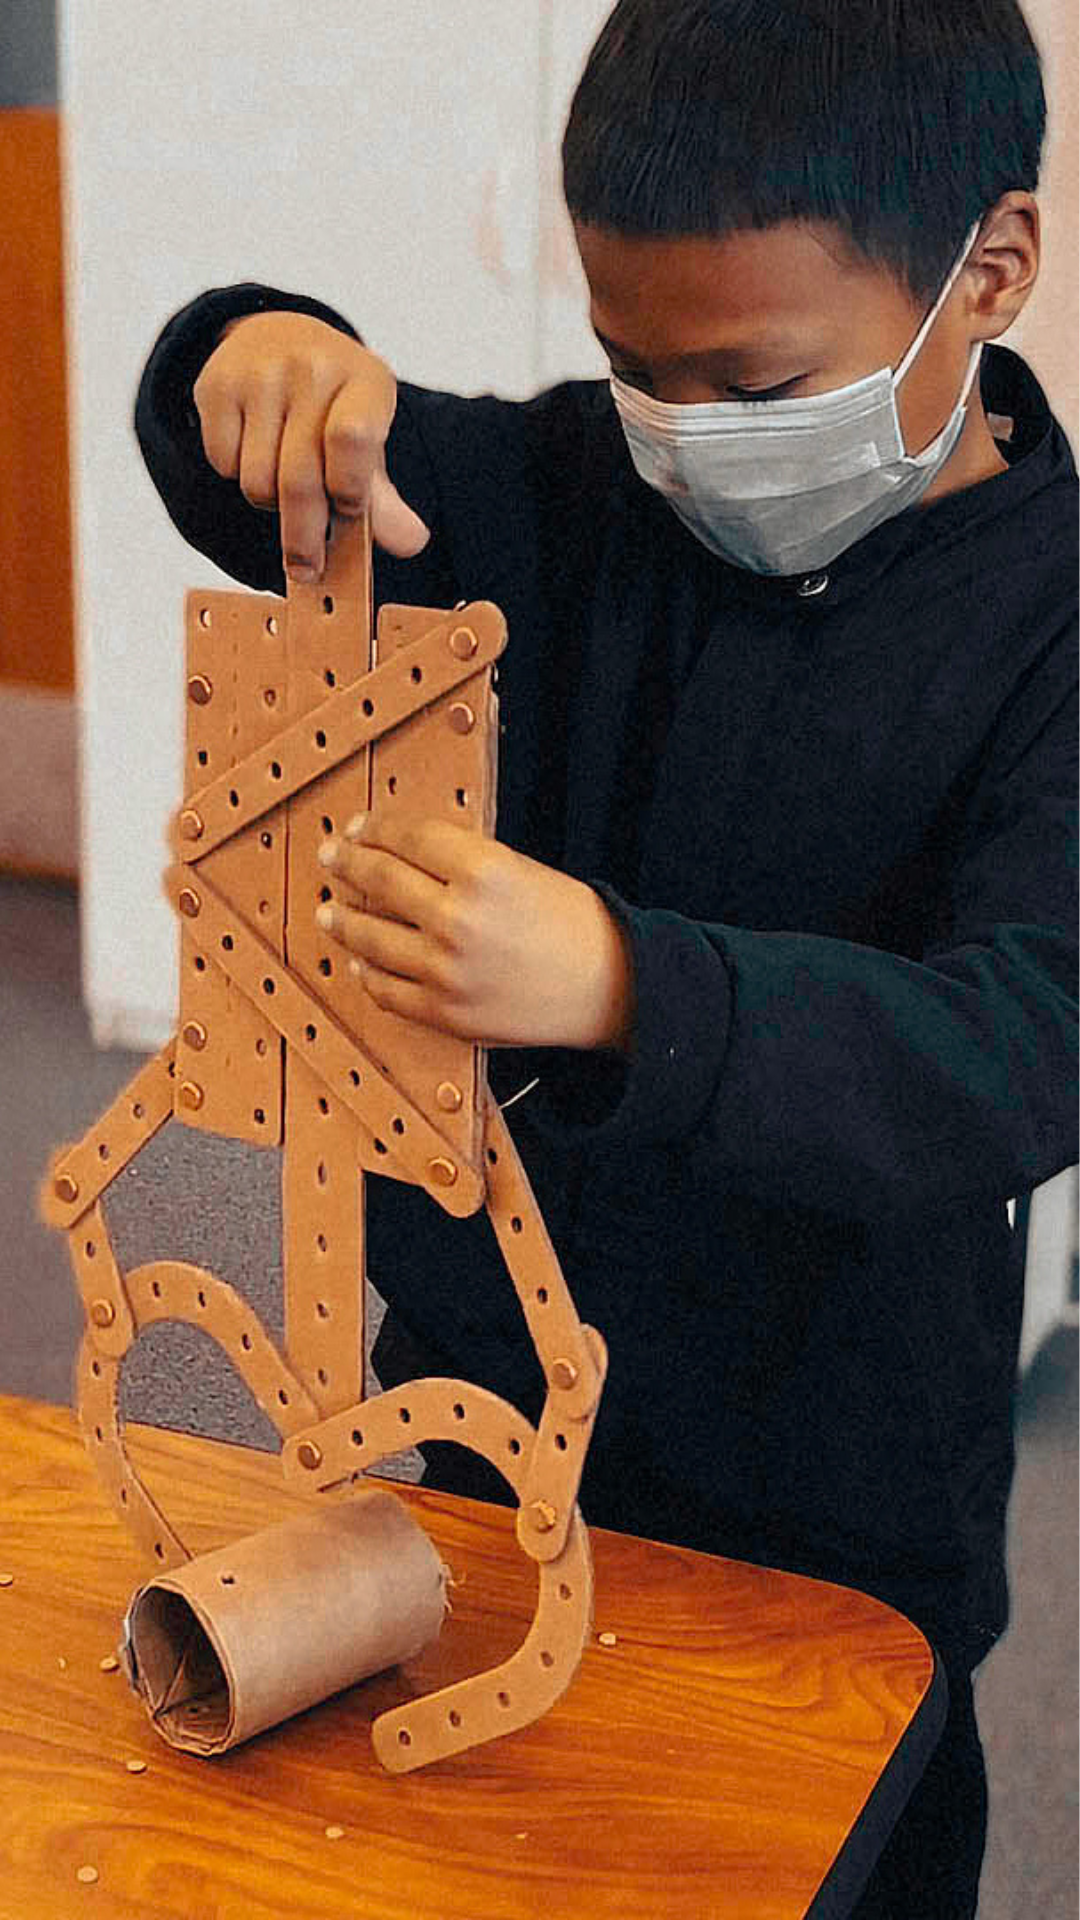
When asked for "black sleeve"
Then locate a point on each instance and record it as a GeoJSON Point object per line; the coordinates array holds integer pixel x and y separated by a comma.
{"type": "Point", "coordinates": [211, 512]}
{"type": "Point", "coordinates": [822, 1073]}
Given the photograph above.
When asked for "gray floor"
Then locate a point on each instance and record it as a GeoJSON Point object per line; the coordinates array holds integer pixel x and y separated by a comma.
{"type": "Point", "coordinates": [52, 1085]}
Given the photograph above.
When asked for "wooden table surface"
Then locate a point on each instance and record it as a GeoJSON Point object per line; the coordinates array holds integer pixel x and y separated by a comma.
{"type": "Point", "coordinates": [715, 1763]}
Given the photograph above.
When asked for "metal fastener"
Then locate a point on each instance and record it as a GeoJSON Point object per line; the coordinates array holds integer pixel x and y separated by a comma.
{"type": "Point", "coordinates": [442, 1173]}
{"type": "Point", "coordinates": [189, 902]}
{"type": "Point", "coordinates": [191, 1095]}
{"type": "Point", "coordinates": [448, 1097]}
{"type": "Point", "coordinates": [463, 643]}
{"type": "Point", "coordinates": [102, 1313]}
{"type": "Point", "coordinates": [110, 1664]}
{"type": "Point", "coordinates": [193, 1035]}
{"type": "Point", "coordinates": [543, 1516]}
{"type": "Point", "coordinates": [308, 1454]}
{"type": "Point", "coordinates": [200, 689]}
{"type": "Point", "coordinates": [462, 718]}
{"type": "Point", "coordinates": [191, 824]}
{"type": "Point", "coordinates": [564, 1374]}
{"type": "Point", "coordinates": [66, 1187]}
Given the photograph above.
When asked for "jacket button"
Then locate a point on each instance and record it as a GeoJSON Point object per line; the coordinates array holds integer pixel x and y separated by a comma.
{"type": "Point", "coordinates": [813, 584]}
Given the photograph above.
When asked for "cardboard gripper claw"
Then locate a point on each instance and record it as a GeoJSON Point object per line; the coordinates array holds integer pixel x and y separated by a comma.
{"type": "Point", "coordinates": [300, 714]}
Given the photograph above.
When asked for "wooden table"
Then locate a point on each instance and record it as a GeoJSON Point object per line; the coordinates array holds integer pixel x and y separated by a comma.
{"type": "Point", "coordinates": [715, 1763]}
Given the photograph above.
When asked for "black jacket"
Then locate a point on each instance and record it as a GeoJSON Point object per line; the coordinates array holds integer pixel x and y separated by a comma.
{"type": "Point", "coordinates": [838, 829]}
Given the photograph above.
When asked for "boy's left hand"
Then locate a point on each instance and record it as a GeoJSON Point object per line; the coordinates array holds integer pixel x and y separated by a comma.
{"type": "Point", "coordinates": [495, 947]}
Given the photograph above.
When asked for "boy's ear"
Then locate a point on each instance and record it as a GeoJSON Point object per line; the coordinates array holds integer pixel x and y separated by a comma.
{"type": "Point", "coordinates": [1004, 265]}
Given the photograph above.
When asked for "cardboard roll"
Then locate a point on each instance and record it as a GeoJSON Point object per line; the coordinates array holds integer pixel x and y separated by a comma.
{"type": "Point", "coordinates": [237, 1640]}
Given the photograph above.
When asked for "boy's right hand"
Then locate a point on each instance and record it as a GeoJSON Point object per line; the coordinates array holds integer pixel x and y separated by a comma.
{"type": "Point", "coordinates": [299, 414]}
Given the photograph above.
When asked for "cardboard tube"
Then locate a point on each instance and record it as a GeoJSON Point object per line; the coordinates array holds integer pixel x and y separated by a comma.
{"type": "Point", "coordinates": [239, 1639]}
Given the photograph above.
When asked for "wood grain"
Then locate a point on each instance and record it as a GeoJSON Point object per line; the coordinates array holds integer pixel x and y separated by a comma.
{"type": "Point", "coordinates": [710, 1763]}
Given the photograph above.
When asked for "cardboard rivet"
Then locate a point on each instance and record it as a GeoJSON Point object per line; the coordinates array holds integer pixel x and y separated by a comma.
{"type": "Point", "coordinates": [189, 903]}
{"type": "Point", "coordinates": [442, 1173]}
{"type": "Point", "coordinates": [136, 1766]}
{"type": "Point", "coordinates": [309, 1455]}
{"type": "Point", "coordinates": [607, 1639]}
{"type": "Point", "coordinates": [110, 1664]}
{"type": "Point", "coordinates": [87, 1875]}
{"type": "Point", "coordinates": [461, 716]}
{"type": "Point", "coordinates": [7, 1579]}
{"type": "Point", "coordinates": [543, 1515]}
{"type": "Point", "coordinates": [103, 1313]}
{"type": "Point", "coordinates": [200, 689]}
{"type": "Point", "coordinates": [564, 1374]}
{"type": "Point", "coordinates": [191, 1095]}
{"type": "Point", "coordinates": [448, 1096]}
{"type": "Point", "coordinates": [66, 1187]}
{"type": "Point", "coordinates": [193, 1035]}
{"type": "Point", "coordinates": [463, 643]}
{"type": "Point", "coordinates": [334, 1833]}
{"type": "Point", "coordinates": [191, 824]}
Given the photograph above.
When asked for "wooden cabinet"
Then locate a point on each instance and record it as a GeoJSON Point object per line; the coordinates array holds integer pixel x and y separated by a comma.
{"type": "Point", "coordinates": [37, 738]}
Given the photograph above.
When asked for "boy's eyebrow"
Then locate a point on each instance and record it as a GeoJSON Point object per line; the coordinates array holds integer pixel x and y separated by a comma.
{"type": "Point", "coordinates": [781, 345]}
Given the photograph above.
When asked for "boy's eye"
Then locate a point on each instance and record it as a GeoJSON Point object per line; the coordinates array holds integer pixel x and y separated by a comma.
{"type": "Point", "coordinates": [630, 377]}
{"type": "Point", "coordinates": [766, 393]}
{"type": "Point", "coordinates": [633, 377]}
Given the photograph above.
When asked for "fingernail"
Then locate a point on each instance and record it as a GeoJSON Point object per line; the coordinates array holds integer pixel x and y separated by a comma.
{"type": "Point", "coordinates": [324, 917]}
{"type": "Point", "coordinates": [301, 570]}
{"type": "Point", "coordinates": [356, 826]}
{"type": "Point", "coordinates": [328, 853]}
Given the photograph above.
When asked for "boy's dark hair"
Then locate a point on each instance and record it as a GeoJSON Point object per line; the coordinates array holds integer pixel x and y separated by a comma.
{"type": "Point", "coordinates": [899, 121]}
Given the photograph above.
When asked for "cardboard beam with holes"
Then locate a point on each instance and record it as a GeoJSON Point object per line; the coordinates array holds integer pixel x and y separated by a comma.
{"type": "Point", "coordinates": [301, 714]}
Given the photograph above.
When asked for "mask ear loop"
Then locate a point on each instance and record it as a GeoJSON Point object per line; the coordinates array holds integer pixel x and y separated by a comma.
{"type": "Point", "coordinates": [920, 338]}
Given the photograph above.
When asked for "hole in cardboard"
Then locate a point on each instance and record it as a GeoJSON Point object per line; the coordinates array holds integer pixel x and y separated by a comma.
{"type": "Point", "coordinates": [180, 1673]}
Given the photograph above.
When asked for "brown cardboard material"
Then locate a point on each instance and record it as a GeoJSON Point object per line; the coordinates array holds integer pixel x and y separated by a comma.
{"type": "Point", "coordinates": [237, 1640]}
{"type": "Point", "coordinates": [301, 712]}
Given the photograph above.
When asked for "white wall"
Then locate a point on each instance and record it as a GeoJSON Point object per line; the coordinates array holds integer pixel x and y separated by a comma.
{"type": "Point", "coordinates": [371, 156]}
{"type": "Point", "coordinates": [1047, 331]}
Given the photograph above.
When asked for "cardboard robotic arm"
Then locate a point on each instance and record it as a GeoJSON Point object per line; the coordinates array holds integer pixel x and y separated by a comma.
{"type": "Point", "coordinates": [299, 715]}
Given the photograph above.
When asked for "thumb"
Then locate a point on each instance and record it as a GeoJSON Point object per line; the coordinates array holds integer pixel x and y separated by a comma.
{"type": "Point", "coordinates": [394, 525]}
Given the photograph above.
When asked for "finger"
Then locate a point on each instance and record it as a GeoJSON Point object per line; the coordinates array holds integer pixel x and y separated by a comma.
{"type": "Point", "coordinates": [222, 431]}
{"type": "Point", "coordinates": [393, 523]}
{"type": "Point", "coordinates": [357, 423]}
{"type": "Point", "coordinates": [405, 998]}
{"type": "Point", "coordinates": [385, 944]}
{"type": "Point", "coordinates": [260, 454]}
{"type": "Point", "coordinates": [437, 847]}
{"type": "Point", "coordinates": [301, 494]}
{"type": "Point", "coordinates": [388, 883]}
{"type": "Point", "coordinates": [357, 426]}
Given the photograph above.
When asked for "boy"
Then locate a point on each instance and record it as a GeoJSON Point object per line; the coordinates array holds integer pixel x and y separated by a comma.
{"type": "Point", "coordinates": [780, 912]}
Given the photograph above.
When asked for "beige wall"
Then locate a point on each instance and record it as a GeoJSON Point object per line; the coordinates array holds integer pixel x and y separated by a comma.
{"type": "Point", "coordinates": [1048, 333]}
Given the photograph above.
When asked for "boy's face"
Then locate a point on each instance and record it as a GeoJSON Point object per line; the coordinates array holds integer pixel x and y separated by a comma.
{"type": "Point", "coordinates": [782, 313]}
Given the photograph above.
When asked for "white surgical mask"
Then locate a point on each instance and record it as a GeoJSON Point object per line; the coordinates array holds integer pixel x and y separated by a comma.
{"type": "Point", "coordinates": [783, 486]}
